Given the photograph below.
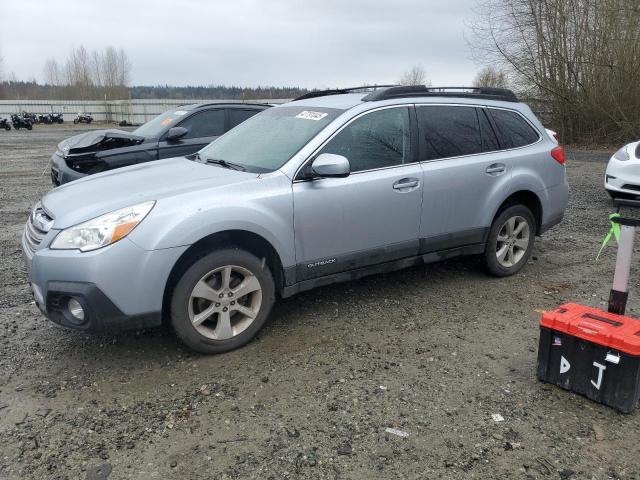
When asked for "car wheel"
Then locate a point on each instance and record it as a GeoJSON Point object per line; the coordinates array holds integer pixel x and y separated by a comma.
{"type": "Point", "coordinates": [510, 241]}
{"type": "Point", "coordinates": [222, 300]}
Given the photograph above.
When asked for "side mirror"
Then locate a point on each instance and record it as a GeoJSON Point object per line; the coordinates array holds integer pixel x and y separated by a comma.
{"type": "Point", "coordinates": [330, 165]}
{"type": "Point", "coordinates": [176, 133]}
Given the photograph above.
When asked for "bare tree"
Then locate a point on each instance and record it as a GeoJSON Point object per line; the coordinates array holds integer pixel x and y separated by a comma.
{"type": "Point", "coordinates": [52, 72]}
{"type": "Point", "coordinates": [491, 76]}
{"type": "Point", "coordinates": [84, 75]}
{"type": "Point", "coordinates": [580, 57]}
{"type": "Point", "coordinates": [416, 75]}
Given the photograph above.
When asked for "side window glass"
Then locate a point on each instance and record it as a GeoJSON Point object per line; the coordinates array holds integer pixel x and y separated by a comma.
{"type": "Point", "coordinates": [489, 139]}
{"type": "Point", "coordinates": [236, 117]}
{"type": "Point", "coordinates": [449, 131]}
{"type": "Point", "coordinates": [375, 140]}
{"type": "Point", "coordinates": [209, 123]}
{"type": "Point", "coordinates": [513, 129]}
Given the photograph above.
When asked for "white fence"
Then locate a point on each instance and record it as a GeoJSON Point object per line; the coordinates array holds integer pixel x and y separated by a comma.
{"type": "Point", "coordinates": [133, 111]}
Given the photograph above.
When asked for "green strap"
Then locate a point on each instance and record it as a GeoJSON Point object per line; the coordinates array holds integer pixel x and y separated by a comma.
{"type": "Point", "coordinates": [614, 230]}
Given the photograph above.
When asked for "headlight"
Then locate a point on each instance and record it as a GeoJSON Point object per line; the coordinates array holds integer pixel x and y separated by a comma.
{"type": "Point", "coordinates": [622, 154]}
{"type": "Point", "coordinates": [103, 230]}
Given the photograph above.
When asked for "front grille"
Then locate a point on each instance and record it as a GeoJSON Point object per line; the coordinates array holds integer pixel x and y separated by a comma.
{"type": "Point", "coordinates": [628, 186]}
{"type": "Point", "coordinates": [38, 225]}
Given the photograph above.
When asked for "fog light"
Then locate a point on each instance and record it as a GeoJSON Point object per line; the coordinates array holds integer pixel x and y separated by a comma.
{"type": "Point", "coordinates": [75, 309]}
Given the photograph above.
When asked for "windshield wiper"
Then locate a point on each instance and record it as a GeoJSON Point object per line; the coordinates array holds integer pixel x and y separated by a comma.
{"type": "Point", "coordinates": [225, 164]}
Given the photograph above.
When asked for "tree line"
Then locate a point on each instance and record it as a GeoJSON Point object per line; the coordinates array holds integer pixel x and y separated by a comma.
{"type": "Point", "coordinates": [579, 57]}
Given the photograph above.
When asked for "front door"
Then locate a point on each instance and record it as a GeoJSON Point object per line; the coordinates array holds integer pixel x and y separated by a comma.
{"type": "Point", "coordinates": [203, 128]}
{"type": "Point", "coordinates": [370, 217]}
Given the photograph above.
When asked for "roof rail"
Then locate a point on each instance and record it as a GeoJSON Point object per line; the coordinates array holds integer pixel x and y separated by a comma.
{"type": "Point", "coordinates": [340, 91]}
{"type": "Point", "coordinates": [488, 93]}
{"type": "Point", "coordinates": [227, 102]}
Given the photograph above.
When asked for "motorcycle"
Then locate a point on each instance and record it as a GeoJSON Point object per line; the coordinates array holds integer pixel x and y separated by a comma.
{"type": "Point", "coordinates": [5, 124]}
{"type": "Point", "coordinates": [83, 118]}
{"type": "Point", "coordinates": [18, 122]}
{"type": "Point", "coordinates": [32, 117]}
{"type": "Point", "coordinates": [50, 118]}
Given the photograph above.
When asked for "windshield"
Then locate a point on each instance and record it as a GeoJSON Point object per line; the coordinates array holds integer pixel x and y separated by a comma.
{"type": "Point", "coordinates": [268, 140]}
{"type": "Point", "coordinates": [153, 128]}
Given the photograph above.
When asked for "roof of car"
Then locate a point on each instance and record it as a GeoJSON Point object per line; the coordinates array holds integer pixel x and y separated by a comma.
{"type": "Point", "coordinates": [348, 98]}
{"type": "Point", "coordinates": [341, 101]}
{"type": "Point", "coordinates": [226, 103]}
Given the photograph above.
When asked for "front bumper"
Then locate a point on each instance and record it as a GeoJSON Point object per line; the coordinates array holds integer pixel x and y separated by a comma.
{"type": "Point", "coordinates": [120, 286]}
{"type": "Point", "coordinates": [61, 173]}
{"type": "Point", "coordinates": [623, 176]}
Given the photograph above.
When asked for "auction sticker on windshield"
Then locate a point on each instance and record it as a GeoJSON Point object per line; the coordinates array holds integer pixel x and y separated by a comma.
{"type": "Point", "coordinates": [311, 115]}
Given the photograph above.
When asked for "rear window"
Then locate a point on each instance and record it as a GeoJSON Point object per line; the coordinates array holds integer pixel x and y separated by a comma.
{"type": "Point", "coordinates": [514, 130]}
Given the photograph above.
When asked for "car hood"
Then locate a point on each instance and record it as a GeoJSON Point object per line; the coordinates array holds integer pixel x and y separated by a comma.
{"type": "Point", "coordinates": [98, 140]}
{"type": "Point", "coordinates": [95, 195]}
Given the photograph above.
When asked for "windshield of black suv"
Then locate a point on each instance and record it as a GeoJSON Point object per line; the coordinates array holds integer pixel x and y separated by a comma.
{"type": "Point", "coordinates": [153, 128]}
{"type": "Point", "coordinates": [268, 140]}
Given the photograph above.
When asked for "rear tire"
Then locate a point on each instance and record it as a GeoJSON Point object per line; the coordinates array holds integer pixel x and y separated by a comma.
{"type": "Point", "coordinates": [222, 300]}
{"type": "Point", "coordinates": [510, 241]}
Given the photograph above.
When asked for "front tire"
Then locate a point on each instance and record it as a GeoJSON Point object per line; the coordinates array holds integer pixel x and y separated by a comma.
{"type": "Point", "coordinates": [222, 300]}
{"type": "Point", "coordinates": [510, 241]}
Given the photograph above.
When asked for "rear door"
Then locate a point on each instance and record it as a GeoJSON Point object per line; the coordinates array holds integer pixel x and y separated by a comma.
{"type": "Point", "coordinates": [235, 116]}
{"type": "Point", "coordinates": [462, 170]}
{"type": "Point", "coordinates": [203, 128]}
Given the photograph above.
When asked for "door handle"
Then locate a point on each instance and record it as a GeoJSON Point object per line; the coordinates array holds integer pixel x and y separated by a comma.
{"type": "Point", "coordinates": [406, 183]}
{"type": "Point", "coordinates": [496, 169]}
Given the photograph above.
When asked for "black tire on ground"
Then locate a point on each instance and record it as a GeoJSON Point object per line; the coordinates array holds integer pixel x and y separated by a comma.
{"type": "Point", "coordinates": [490, 258]}
{"type": "Point", "coordinates": [89, 120]}
{"type": "Point", "coordinates": [29, 126]}
{"type": "Point", "coordinates": [180, 320]}
{"type": "Point", "coordinates": [75, 121]}
{"type": "Point", "coordinates": [7, 127]}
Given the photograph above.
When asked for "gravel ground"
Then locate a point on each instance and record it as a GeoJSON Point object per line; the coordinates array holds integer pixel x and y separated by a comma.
{"type": "Point", "coordinates": [433, 351]}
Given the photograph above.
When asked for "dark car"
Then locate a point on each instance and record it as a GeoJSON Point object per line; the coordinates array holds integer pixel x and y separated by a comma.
{"type": "Point", "coordinates": [177, 132]}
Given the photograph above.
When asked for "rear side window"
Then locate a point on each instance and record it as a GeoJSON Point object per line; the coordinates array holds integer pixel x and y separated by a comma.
{"type": "Point", "coordinates": [209, 123]}
{"type": "Point", "coordinates": [236, 117]}
{"type": "Point", "coordinates": [489, 139]}
{"type": "Point", "coordinates": [450, 131]}
{"type": "Point", "coordinates": [514, 130]}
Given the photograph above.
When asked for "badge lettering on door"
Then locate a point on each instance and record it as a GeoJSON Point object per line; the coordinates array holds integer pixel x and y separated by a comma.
{"type": "Point", "coordinates": [564, 365]}
{"type": "Point", "coordinates": [320, 263]}
{"type": "Point", "coordinates": [601, 368]}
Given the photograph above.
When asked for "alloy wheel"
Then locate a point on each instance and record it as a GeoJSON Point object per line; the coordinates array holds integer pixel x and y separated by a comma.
{"type": "Point", "coordinates": [225, 302]}
{"type": "Point", "coordinates": [513, 241]}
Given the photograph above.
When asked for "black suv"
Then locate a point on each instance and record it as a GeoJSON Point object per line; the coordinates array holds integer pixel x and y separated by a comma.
{"type": "Point", "coordinates": [175, 133]}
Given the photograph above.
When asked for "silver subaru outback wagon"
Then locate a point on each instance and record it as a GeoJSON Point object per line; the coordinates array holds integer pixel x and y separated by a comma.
{"type": "Point", "coordinates": [330, 187]}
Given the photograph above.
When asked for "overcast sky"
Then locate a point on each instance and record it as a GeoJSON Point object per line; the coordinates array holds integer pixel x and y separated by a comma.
{"type": "Point", "coordinates": [310, 44]}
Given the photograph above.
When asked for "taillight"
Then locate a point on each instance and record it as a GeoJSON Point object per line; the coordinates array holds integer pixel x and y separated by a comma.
{"type": "Point", "coordinates": [558, 154]}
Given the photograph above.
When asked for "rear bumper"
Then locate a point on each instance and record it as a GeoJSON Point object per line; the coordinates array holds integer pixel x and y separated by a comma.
{"type": "Point", "coordinates": [61, 173]}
